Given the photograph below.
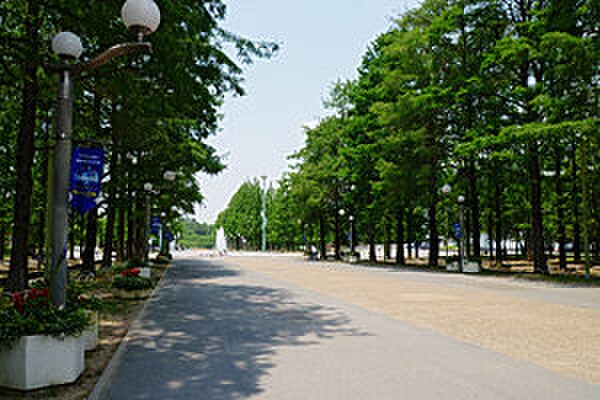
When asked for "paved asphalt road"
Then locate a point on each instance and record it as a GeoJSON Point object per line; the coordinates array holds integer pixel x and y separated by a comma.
{"type": "Point", "coordinates": [216, 332]}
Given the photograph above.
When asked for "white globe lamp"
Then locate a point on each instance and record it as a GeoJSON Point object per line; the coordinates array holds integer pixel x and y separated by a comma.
{"type": "Point", "coordinates": [67, 45]}
{"type": "Point", "coordinates": [141, 15]}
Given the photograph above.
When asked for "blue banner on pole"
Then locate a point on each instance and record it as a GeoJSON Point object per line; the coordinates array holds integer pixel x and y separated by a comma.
{"type": "Point", "coordinates": [155, 225]}
{"type": "Point", "coordinates": [168, 236]}
{"type": "Point", "coordinates": [87, 164]}
{"type": "Point", "coordinates": [457, 230]}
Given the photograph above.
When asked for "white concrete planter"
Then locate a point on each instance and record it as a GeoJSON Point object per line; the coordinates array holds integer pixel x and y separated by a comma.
{"type": "Point", "coordinates": [146, 272]}
{"type": "Point", "coordinates": [39, 361]}
{"type": "Point", "coordinates": [132, 294]}
{"type": "Point", "coordinates": [90, 335]}
{"type": "Point", "coordinates": [454, 266]}
{"type": "Point", "coordinates": [471, 268]}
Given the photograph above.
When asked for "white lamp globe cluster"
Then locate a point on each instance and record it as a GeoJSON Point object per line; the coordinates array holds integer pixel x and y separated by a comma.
{"type": "Point", "coordinates": [142, 16]}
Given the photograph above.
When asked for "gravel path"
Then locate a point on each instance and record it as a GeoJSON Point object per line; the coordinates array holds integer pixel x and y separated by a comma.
{"type": "Point", "coordinates": [555, 327]}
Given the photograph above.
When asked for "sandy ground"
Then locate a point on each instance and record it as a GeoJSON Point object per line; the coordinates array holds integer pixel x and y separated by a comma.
{"type": "Point", "coordinates": [563, 338]}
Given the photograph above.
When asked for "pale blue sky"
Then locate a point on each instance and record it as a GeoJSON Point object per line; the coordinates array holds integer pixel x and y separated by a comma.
{"type": "Point", "coordinates": [321, 42]}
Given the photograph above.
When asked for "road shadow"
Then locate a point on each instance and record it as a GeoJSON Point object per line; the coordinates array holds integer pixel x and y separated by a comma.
{"type": "Point", "coordinates": [209, 336]}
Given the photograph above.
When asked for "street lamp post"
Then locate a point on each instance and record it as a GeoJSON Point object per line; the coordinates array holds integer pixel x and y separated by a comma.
{"type": "Point", "coordinates": [142, 16]}
{"type": "Point", "coordinates": [161, 232]}
{"type": "Point", "coordinates": [461, 203]}
{"type": "Point", "coordinates": [341, 213]}
{"type": "Point", "coordinates": [446, 189]}
{"type": "Point", "coordinates": [351, 218]}
{"type": "Point", "coordinates": [148, 191]}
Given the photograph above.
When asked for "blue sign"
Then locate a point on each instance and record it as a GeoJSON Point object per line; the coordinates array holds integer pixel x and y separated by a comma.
{"type": "Point", "coordinates": [155, 225]}
{"type": "Point", "coordinates": [87, 164]}
{"type": "Point", "coordinates": [457, 230]}
{"type": "Point", "coordinates": [168, 236]}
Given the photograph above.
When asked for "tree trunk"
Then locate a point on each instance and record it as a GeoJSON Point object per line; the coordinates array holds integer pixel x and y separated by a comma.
{"type": "Point", "coordinates": [44, 184]}
{"type": "Point", "coordinates": [498, 222]}
{"type": "Point", "coordinates": [140, 223]}
{"type": "Point", "coordinates": [82, 237]}
{"type": "Point", "coordinates": [539, 256]}
{"type": "Point", "coordinates": [372, 252]}
{"type": "Point", "coordinates": [400, 237]}
{"type": "Point", "coordinates": [121, 227]}
{"type": "Point", "coordinates": [576, 209]}
{"type": "Point", "coordinates": [89, 252]}
{"type": "Point", "coordinates": [474, 207]}
{"type": "Point", "coordinates": [72, 238]}
{"type": "Point", "coordinates": [595, 217]}
{"type": "Point", "coordinates": [110, 211]}
{"type": "Point", "coordinates": [560, 211]}
{"type": "Point", "coordinates": [337, 236]}
{"type": "Point", "coordinates": [130, 223]}
{"type": "Point", "coordinates": [411, 234]}
{"type": "Point", "coordinates": [433, 229]}
{"type": "Point", "coordinates": [322, 244]}
{"type": "Point", "coordinates": [2, 241]}
{"type": "Point", "coordinates": [467, 232]}
{"type": "Point", "coordinates": [491, 237]}
{"type": "Point", "coordinates": [18, 273]}
{"type": "Point", "coordinates": [387, 247]}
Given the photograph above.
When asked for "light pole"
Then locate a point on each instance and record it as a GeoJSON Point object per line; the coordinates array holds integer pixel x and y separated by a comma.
{"type": "Point", "coordinates": [168, 176]}
{"type": "Point", "coordinates": [264, 215]}
{"type": "Point", "coordinates": [461, 204]}
{"type": "Point", "coordinates": [351, 218]}
{"type": "Point", "coordinates": [161, 232]}
{"type": "Point", "coordinates": [142, 16]}
{"type": "Point", "coordinates": [148, 191]}
{"type": "Point", "coordinates": [446, 189]}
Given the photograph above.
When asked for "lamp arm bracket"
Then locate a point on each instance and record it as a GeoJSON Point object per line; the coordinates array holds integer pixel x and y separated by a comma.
{"type": "Point", "coordinates": [104, 58]}
{"type": "Point", "coordinates": [112, 53]}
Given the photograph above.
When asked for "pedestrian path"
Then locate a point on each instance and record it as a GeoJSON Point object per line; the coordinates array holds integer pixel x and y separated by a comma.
{"type": "Point", "coordinates": [219, 332]}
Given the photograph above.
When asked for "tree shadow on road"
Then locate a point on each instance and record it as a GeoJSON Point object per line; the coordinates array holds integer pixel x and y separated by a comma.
{"type": "Point", "coordinates": [207, 336]}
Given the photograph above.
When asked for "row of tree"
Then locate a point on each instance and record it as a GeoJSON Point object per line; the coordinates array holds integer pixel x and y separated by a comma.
{"type": "Point", "coordinates": [150, 113]}
{"type": "Point", "coordinates": [497, 99]}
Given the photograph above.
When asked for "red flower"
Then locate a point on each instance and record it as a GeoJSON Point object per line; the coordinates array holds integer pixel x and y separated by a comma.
{"type": "Point", "coordinates": [19, 302]}
{"type": "Point", "coordinates": [35, 293]}
{"type": "Point", "coordinates": [130, 272]}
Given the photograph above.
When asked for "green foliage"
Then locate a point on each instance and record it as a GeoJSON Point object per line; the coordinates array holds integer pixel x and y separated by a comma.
{"type": "Point", "coordinates": [241, 219]}
{"type": "Point", "coordinates": [78, 296]}
{"type": "Point", "coordinates": [159, 109]}
{"type": "Point", "coordinates": [38, 317]}
{"type": "Point", "coordinates": [132, 282]}
{"type": "Point", "coordinates": [197, 235]}
{"type": "Point", "coordinates": [496, 98]}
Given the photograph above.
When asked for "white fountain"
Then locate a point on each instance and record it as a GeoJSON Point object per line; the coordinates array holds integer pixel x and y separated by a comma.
{"type": "Point", "coordinates": [221, 242]}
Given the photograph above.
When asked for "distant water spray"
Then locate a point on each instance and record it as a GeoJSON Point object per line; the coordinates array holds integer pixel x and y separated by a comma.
{"type": "Point", "coordinates": [221, 241]}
